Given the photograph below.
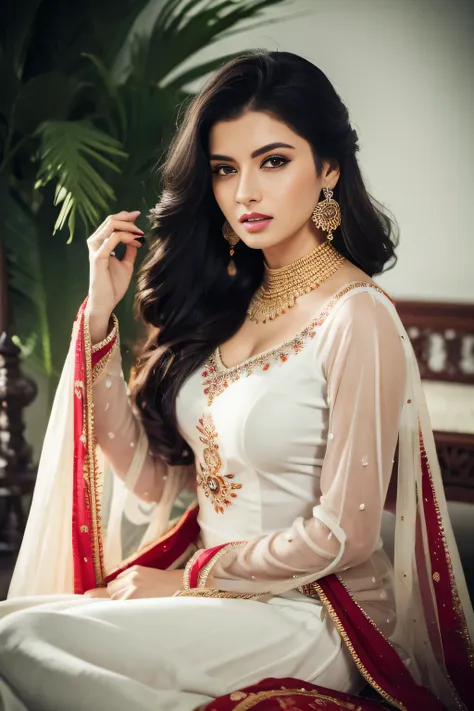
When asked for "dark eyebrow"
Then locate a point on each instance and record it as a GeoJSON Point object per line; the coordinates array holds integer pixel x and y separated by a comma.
{"type": "Point", "coordinates": [255, 154]}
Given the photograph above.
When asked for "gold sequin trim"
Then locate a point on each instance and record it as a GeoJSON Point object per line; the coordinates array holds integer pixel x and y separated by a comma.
{"type": "Point", "coordinates": [188, 568]}
{"type": "Point", "coordinates": [103, 363]}
{"type": "Point", "coordinates": [211, 592]}
{"type": "Point", "coordinates": [206, 570]}
{"type": "Point", "coordinates": [457, 605]}
{"type": "Point", "coordinates": [217, 378]}
{"type": "Point", "coordinates": [219, 488]}
{"type": "Point", "coordinates": [107, 339]}
{"type": "Point", "coordinates": [91, 468]}
{"type": "Point", "coordinates": [316, 591]}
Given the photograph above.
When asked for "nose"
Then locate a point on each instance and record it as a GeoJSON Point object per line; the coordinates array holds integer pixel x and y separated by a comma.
{"type": "Point", "coordinates": [247, 188]}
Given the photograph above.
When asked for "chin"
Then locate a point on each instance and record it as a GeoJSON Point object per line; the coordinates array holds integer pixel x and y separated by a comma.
{"type": "Point", "coordinates": [261, 241]}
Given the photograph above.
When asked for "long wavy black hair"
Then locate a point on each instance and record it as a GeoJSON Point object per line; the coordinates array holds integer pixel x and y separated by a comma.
{"type": "Point", "coordinates": [184, 294]}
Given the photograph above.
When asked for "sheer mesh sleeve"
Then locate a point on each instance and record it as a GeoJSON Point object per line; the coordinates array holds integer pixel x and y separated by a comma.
{"type": "Point", "coordinates": [119, 432]}
{"type": "Point", "coordinates": [363, 361]}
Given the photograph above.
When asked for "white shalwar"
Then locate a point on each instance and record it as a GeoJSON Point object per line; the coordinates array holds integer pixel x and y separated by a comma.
{"type": "Point", "coordinates": [308, 432]}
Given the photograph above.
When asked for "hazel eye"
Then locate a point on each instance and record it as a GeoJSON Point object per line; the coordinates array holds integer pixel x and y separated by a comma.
{"type": "Point", "coordinates": [215, 171]}
{"type": "Point", "coordinates": [280, 160]}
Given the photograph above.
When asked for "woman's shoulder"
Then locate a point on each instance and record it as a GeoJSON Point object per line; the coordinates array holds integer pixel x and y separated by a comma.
{"type": "Point", "coordinates": [358, 303]}
{"type": "Point", "coordinates": [356, 290]}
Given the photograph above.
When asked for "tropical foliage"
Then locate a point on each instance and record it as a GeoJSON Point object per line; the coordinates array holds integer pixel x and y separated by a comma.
{"type": "Point", "coordinates": [87, 107]}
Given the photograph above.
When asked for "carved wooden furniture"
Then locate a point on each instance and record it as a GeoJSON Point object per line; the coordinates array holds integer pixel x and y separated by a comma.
{"type": "Point", "coordinates": [17, 474]}
{"type": "Point", "coordinates": [442, 335]}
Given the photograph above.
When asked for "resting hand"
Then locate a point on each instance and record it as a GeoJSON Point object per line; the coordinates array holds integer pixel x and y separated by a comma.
{"type": "Point", "coordinates": [140, 582]}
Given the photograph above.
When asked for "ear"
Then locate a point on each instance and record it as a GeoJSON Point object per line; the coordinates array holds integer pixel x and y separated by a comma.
{"type": "Point", "coordinates": [331, 173]}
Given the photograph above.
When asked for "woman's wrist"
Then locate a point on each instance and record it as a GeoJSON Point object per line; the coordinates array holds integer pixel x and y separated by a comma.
{"type": "Point", "coordinates": [100, 326]}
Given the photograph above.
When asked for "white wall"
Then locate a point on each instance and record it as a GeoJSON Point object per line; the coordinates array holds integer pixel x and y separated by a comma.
{"type": "Point", "coordinates": [405, 70]}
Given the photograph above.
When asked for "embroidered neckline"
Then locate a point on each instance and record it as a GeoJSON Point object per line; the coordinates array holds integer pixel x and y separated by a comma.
{"type": "Point", "coordinates": [217, 377]}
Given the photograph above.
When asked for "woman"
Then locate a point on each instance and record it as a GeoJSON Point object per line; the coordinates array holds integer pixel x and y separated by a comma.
{"type": "Point", "coordinates": [276, 387]}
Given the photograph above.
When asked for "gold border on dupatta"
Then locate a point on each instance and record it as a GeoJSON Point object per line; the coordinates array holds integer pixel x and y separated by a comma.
{"type": "Point", "coordinates": [220, 594]}
{"type": "Point", "coordinates": [103, 363]}
{"type": "Point", "coordinates": [457, 605]}
{"type": "Point", "coordinates": [206, 570]}
{"type": "Point", "coordinates": [167, 534]}
{"type": "Point", "coordinates": [319, 592]}
{"type": "Point", "coordinates": [92, 474]}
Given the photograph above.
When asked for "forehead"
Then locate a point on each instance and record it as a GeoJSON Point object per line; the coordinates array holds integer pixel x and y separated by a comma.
{"type": "Point", "coordinates": [241, 136]}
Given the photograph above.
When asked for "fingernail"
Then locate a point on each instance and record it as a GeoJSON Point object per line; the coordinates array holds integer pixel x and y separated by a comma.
{"type": "Point", "coordinates": [136, 212]}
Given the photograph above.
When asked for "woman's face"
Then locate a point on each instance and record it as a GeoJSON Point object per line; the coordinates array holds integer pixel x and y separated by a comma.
{"type": "Point", "coordinates": [261, 166]}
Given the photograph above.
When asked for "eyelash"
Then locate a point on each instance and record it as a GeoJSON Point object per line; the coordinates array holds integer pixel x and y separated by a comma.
{"type": "Point", "coordinates": [284, 160]}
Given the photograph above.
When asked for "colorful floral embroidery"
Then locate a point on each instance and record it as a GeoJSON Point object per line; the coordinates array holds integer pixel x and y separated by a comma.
{"type": "Point", "coordinates": [218, 487]}
{"type": "Point", "coordinates": [217, 378]}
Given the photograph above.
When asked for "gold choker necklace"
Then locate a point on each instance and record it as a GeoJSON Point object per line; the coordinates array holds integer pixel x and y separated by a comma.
{"type": "Point", "coordinates": [281, 287]}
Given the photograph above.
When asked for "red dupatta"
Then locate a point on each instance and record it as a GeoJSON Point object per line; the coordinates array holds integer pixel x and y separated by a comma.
{"type": "Point", "coordinates": [87, 544]}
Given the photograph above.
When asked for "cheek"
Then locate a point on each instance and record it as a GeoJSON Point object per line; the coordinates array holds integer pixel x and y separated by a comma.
{"type": "Point", "coordinates": [298, 197]}
{"type": "Point", "coordinates": [222, 194]}
{"type": "Point", "coordinates": [301, 187]}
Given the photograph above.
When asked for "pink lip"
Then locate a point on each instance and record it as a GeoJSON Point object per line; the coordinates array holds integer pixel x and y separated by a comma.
{"type": "Point", "coordinates": [257, 226]}
{"type": "Point", "coordinates": [253, 214]}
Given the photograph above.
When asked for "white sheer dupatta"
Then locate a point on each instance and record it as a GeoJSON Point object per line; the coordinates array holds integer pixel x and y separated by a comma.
{"type": "Point", "coordinates": [45, 564]}
{"type": "Point", "coordinates": [87, 522]}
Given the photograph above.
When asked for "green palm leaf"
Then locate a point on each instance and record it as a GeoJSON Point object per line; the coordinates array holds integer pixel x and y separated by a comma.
{"type": "Point", "coordinates": [99, 145]}
{"type": "Point", "coordinates": [65, 152]}
{"type": "Point", "coordinates": [183, 28]}
{"type": "Point", "coordinates": [26, 285]}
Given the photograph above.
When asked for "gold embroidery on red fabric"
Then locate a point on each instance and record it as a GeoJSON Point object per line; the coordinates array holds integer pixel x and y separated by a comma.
{"type": "Point", "coordinates": [206, 569]}
{"type": "Point", "coordinates": [214, 593]}
{"type": "Point", "coordinates": [103, 363]}
{"type": "Point", "coordinates": [314, 590]}
{"type": "Point", "coordinates": [217, 378]}
{"type": "Point", "coordinates": [256, 697]}
{"type": "Point", "coordinates": [79, 389]}
{"type": "Point", "coordinates": [108, 338]}
{"type": "Point", "coordinates": [238, 696]}
{"type": "Point", "coordinates": [218, 487]}
{"type": "Point", "coordinates": [92, 474]}
{"type": "Point", "coordinates": [188, 568]}
{"type": "Point", "coordinates": [167, 534]}
{"type": "Point", "coordinates": [456, 601]}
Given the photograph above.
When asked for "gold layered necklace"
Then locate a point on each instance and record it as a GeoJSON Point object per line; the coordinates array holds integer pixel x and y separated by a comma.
{"type": "Point", "coordinates": [281, 287]}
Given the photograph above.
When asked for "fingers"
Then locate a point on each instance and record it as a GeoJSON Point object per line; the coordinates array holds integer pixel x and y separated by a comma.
{"type": "Point", "coordinates": [123, 222]}
{"type": "Point", "coordinates": [130, 254]}
{"type": "Point", "coordinates": [109, 227]}
{"type": "Point", "coordinates": [123, 215]}
{"type": "Point", "coordinates": [109, 243]}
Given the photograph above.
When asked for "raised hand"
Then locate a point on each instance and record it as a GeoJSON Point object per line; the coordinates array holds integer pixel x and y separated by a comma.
{"type": "Point", "coordinates": [109, 276]}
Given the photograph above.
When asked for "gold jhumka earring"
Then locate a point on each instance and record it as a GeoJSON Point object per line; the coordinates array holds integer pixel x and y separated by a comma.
{"type": "Point", "coordinates": [327, 214]}
{"type": "Point", "coordinates": [281, 287]}
{"type": "Point", "coordinates": [232, 239]}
